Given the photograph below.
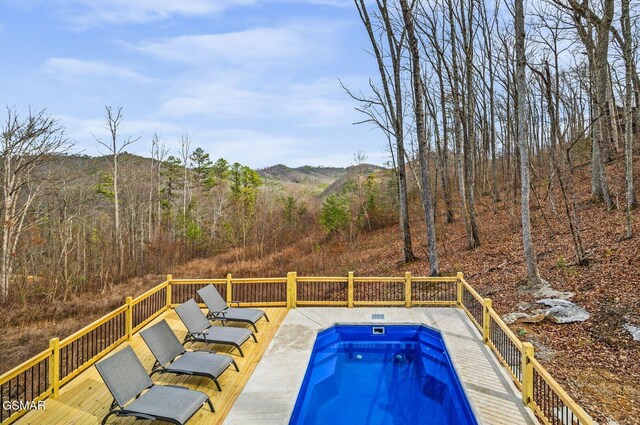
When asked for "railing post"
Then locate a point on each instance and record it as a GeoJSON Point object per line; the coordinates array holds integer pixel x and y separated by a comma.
{"type": "Point", "coordinates": [169, 277]}
{"type": "Point", "coordinates": [350, 289]}
{"type": "Point", "coordinates": [486, 319]}
{"type": "Point", "coordinates": [54, 366]}
{"type": "Point", "coordinates": [291, 289]}
{"type": "Point", "coordinates": [295, 289]}
{"type": "Point", "coordinates": [229, 289]}
{"type": "Point", "coordinates": [129, 318]}
{"type": "Point", "coordinates": [527, 373]}
{"type": "Point", "coordinates": [407, 289]}
{"type": "Point", "coordinates": [459, 289]}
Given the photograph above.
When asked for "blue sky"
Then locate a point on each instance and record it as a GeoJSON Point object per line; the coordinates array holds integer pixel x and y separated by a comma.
{"type": "Point", "coordinates": [254, 81]}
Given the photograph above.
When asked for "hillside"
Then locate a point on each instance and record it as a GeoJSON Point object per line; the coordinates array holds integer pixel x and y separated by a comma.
{"type": "Point", "coordinates": [318, 181]}
{"type": "Point", "coordinates": [305, 174]}
{"type": "Point", "coordinates": [350, 176]}
{"type": "Point", "coordinates": [593, 361]}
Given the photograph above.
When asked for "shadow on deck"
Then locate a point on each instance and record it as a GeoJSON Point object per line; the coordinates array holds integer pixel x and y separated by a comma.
{"type": "Point", "coordinates": [86, 400]}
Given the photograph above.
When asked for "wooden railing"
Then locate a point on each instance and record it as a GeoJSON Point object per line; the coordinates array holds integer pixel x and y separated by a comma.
{"type": "Point", "coordinates": [43, 375]}
{"type": "Point", "coordinates": [540, 392]}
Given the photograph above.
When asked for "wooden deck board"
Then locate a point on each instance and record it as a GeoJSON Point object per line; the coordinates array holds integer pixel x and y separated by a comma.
{"type": "Point", "coordinates": [86, 400]}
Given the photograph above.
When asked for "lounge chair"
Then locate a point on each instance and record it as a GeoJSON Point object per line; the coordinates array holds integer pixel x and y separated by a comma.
{"type": "Point", "coordinates": [218, 309]}
{"type": "Point", "coordinates": [134, 394]}
{"type": "Point", "coordinates": [171, 357]}
{"type": "Point", "coordinates": [200, 330]}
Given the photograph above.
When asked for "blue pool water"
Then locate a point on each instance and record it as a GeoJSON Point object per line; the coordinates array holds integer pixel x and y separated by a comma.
{"type": "Point", "coordinates": [358, 376]}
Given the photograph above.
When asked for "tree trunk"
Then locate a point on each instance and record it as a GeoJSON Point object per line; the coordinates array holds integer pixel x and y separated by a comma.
{"type": "Point", "coordinates": [395, 108]}
{"type": "Point", "coordinates": [469, 140]}
{"type": "Point", "coordinates": [418, 95]}
{"type": "Point", "coordinates": [628, 113]}
{"type": "Point", "coordinates": [458, 128]}
{"type": "Point", "coordinates": [533, 274]}
{"type": "Point", "coordinates": [116, 207]}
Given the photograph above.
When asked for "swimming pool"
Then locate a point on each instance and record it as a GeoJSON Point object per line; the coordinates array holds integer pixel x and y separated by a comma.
{"type": "Point", "coordinates": [391, 374]}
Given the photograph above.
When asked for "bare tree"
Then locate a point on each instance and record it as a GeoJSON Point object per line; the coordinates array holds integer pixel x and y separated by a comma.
{"type": "Point", "coordinates": [533, 274]}
{"type": "Point", "coordinates": [390, 99]}
{"type": "Point", "coordinates": [628, 111]}
{"type": "Point", "coordinates": [158, 154]}
{"type": "Point", "coordinates": [26, 145]}
{"type": "Point", "coordinates": [185, 153]}
{"type": "Point", "coordinates": [423, 148]}
{"type": "Point", "coordinates": [114, 148]}
{"type": "Point", "coordinates": [459, 128]}
{"type": "Point", "coordinates": [586, 20]}
{"type": "Point", "coordinates": [467, 36]}
{"type": "Point", "coordinates": [488, 27]}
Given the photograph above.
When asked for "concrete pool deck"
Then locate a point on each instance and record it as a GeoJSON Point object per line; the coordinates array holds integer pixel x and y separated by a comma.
{"type": "Point", "coordinates": [270, 394]}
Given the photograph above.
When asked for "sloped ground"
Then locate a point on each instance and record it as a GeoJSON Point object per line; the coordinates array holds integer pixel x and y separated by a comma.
{"type": "Point", "coordinates": [595, 361]}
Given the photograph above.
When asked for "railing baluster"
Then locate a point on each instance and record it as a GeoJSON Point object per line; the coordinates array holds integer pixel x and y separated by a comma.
{"type": "Point", "coordinates": [539, 390]}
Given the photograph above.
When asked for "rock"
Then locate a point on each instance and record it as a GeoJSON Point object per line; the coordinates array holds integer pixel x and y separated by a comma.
{"type": "Point", "coordinates": [535, 318]}
{"type": "Point", "coordinates": [563, 311]}
{"type": "Point", "coordinates": [633, 330]}
{"type": "Point", "coordinates": [513, 317]}
{"type": "Point", "coordinates": [526, 306]}
{"type": "Point", "coordinates": [547, 292]}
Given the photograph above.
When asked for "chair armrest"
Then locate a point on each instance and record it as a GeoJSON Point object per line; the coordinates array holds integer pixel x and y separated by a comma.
{"type": "Point", "coordinates": [177, 386]}
{"type": "Point", "coordinates": [216, 314]}
{"type": "Point", "coordinates": [237, 303]}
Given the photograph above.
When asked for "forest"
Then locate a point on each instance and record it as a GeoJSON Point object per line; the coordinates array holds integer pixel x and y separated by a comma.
{"type": "Point", "coordinates": [74, 223]}
{"type": "Point", "coordinates": [509, 121]}
{"type": "Point", "coordinates": [472, 97]}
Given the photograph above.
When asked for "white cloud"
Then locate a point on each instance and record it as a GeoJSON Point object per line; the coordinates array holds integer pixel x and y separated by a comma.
{"type": "Point", "coordinates": [84, 130]}
{"type": "Point", "coordinates": [73, 70]}
{"type": "Point", "coordinates": [87, 13]}
{"type": "Point", "coordinates": [264, 93]}
{"type": "Point", "coordinates": [318, 103]}
{"type": "Point", "coordinates": [270, 44]}
{"type": "Point", "coordinates": [83, 14]}
{"type": "Point", "coordinates": [335, 3]}
{"type": "Point", "coordinates": [253, 148]}
{"type": "Point", "coordinates": [262, 72]}
{"type": "Point", "coordinates": [220, 99]}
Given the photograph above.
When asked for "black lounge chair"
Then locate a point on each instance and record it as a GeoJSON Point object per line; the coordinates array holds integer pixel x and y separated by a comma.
{"type": "Point", "coordinates": [134, 394]}
{"type": "Point", "coordinates": [200, 330]}
{"type": "Point", "coordinates": [171, 357]}
{"type": "Point", "coordinates": [218, 309]}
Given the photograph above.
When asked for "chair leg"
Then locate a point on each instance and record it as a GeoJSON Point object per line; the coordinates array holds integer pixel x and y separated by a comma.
{"type": "Point", "coordinates": [215, 381]}
{"type": "Point", "coordinates": [111, 412]}
{"type": "Point", "coordinates": [254, 337]}
{"type": "Point", "coordinates": [236, 366]}
{"type": "Point", "coordinates": [211, 405]}
{"type": "Point", "coordinates": [254, 327]}
{"type": "Point", "coordinates": [266, 317]}
{"type": "Point", "coordinates": [240, 350]}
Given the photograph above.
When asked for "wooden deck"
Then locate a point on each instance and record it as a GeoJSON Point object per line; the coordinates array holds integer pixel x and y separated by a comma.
{"type": "Point", "coordinates": [86, 400]}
